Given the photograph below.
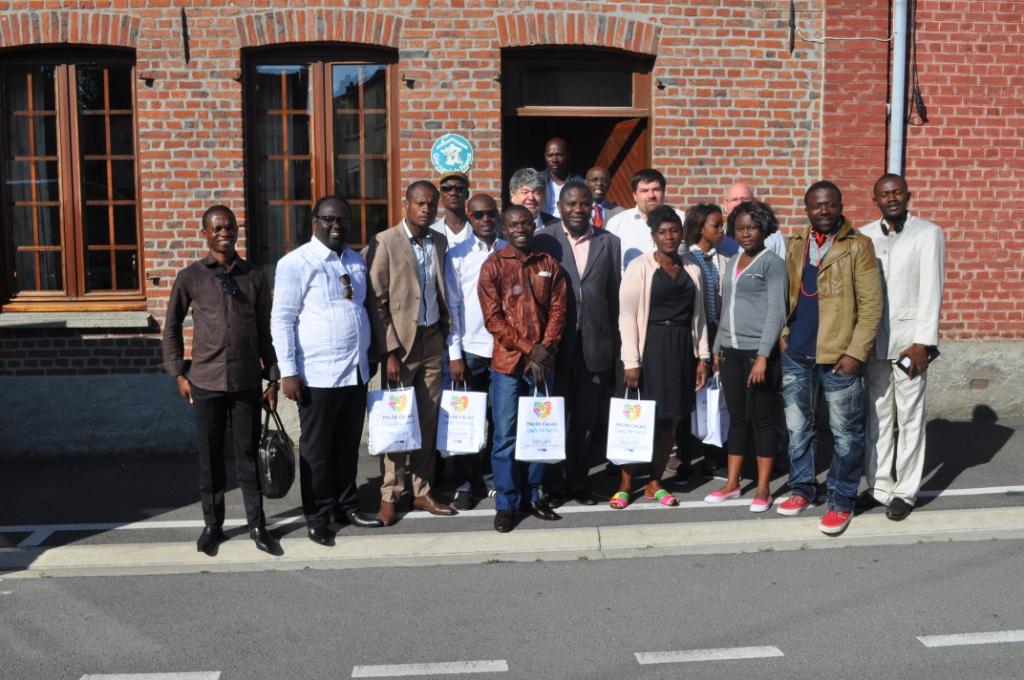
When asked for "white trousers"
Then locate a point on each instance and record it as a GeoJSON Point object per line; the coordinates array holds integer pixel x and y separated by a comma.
{"type": "Point", "coordinates": [894, 400]}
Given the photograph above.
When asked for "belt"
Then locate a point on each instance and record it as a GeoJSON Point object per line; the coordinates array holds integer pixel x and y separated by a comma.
{"type": "Point", "coordinates": [668, 323]}
{"type": "Point", "coordinates": [420, 330]}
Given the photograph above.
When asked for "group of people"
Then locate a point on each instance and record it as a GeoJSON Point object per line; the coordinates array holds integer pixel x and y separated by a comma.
{"type": "Point", "coordinates": [567, 293]}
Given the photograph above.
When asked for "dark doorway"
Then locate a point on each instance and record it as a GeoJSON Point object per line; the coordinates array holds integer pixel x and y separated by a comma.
{"type": "Point", "coordinates": [598, 100]}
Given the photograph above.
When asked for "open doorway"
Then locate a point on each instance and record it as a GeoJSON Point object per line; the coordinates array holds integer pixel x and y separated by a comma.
{"type": "Point", "coordinates": [597, 100]}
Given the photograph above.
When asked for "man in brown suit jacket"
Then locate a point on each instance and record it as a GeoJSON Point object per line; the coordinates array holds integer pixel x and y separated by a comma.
{"type": "Point", "coordinates": [410, 323]}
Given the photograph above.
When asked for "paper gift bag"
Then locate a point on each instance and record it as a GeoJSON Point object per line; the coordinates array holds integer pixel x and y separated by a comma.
{"type": "Point", "coordinates": [630, 431]}
{"type": "Point", "coordinates": [540, 430]}
{"type": "Point", "coordinates": [462, 423]}
{"type": "Point", "coordinates": [714, 413]}
{"type": "Point", "coordinates": [393, 421]}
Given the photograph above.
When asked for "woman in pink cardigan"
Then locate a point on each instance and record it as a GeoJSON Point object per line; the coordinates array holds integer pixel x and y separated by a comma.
{"type": "Point", "coordinates": [665, 349]}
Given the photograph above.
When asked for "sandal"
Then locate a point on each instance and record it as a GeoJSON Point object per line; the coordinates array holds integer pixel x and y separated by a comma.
{"type": "Point", "coordinates": [619, 500]}
{"type": "Point", "coordinates": [664, 497]}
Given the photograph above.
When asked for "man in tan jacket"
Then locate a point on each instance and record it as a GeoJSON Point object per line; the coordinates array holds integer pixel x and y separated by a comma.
{"type": "Point", "coordinates": [835, 306]}
{"type": "Point", "coordinates": [409, 318]}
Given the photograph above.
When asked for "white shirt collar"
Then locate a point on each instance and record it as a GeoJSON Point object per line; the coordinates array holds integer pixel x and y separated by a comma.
{"type": "Point", "coordinates": [323, 252]}
{"type": "Point", "coordinates": [426, 237]}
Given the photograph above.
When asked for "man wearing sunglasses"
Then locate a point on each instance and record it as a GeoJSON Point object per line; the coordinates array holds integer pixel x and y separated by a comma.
{"type": "Point", "coordinates": [455, 223]}
{"type": "Point", "coordinates": [469, 343]}
{"type": "Point", "coordinates": [322, 332]}
{"type": "Point", "coordinates": [231, 355]}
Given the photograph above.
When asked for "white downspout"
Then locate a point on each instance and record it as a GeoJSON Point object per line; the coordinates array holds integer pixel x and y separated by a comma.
{"type": "Point", "coordinates": [898, 95]}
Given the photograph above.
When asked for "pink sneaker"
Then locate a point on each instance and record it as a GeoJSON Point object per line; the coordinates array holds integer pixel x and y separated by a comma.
{"type": "Point", "coordinates": [761, 504]}
{"type": "Point", "coordinates": [835, 522]}
{"type": "Point", "coordinates": [719, 496]}
{"type": "Point", "coordinates": [793, 505]}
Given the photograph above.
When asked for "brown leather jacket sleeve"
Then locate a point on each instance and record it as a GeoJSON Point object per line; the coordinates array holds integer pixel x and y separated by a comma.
{"type": "Point", "coordinates": [489, 289]}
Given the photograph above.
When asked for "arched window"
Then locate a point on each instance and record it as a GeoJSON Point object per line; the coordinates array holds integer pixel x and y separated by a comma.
{"type": "Point", "coordinates": [68, 188]}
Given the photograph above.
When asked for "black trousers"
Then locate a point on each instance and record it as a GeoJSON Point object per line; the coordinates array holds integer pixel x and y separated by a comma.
{"type": "Point", "coordinates": [223, 417]}
{"type": "Point", "coordinates": [585, 395]}
{"type": "Point", "coordinates": [751, 409]}
{"type": "Point", "coordinates": [331, 421]}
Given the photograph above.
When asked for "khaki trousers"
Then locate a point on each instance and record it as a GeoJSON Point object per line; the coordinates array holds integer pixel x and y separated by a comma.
{"type": "Point", "coordinates": [421, 370]}
{"type": "Point", "coordinates": [894, 400]}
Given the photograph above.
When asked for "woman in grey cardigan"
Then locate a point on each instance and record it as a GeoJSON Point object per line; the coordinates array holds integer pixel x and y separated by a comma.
{"type": "Point", "coordinates": [746, 348]}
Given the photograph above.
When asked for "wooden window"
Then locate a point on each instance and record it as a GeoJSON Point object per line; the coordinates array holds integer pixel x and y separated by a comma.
{"type": "Point", "coordinates": [69, 213]}
{"type": "Point", "coordinates": [317, 126]}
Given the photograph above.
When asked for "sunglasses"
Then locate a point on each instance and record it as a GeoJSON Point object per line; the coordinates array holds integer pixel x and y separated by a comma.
{"type": "Point", "coordinates": [228, 285]}
{"type": "Point", "coordinates": [346, 287]}
{"type": "Point", "coordinates": [449, 188]}
{"type": "Point", "coordinates": [480, 214]}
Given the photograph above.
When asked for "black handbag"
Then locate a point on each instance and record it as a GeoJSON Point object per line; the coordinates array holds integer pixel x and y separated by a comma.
{"type": "Point", "coordinates": [276, 459]}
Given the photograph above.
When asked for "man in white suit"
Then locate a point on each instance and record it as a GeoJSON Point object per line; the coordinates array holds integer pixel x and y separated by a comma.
{"type": "Point", "coordinates": [911, 254]}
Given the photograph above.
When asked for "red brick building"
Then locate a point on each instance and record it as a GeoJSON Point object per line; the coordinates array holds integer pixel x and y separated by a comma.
{"type": "Point", "coordinates": [125, 119]}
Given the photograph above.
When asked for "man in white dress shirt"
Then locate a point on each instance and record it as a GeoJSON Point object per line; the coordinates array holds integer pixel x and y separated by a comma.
{"type": "Point", "coordinates": [631, 225]}
{"type": "Point", "coordinates": [454, 192]}
{"type": "Point", "coordinates": [320, 325]}
{"type": "Point", "coordinates": [469, 343]}
{"type": "Point", "coordinates": [911, 255]}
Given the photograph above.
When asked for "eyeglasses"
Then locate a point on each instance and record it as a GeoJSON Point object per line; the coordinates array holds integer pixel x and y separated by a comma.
{"type": "Point", "coordinates": [227, 284]}
{"type": "Point", "coordinates": [480, 214]}
{"type": "Point", "coordinates": [331, 220]}
{"type": "Point", "coordinates": [346, 287]}
{"type": "Point", "coordinates": [449, 188]}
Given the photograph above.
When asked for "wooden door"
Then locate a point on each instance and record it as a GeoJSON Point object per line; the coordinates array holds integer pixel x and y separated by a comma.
{"type": "Point", "coordinates": [624, 153]}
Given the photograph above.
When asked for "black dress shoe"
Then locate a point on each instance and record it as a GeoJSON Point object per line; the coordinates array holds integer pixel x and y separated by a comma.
{"type": "Point", "coordinates": [584, 497]}
{"type": "Point", "coordinates": [321, 535]}
{"type": "Point", "coordinates": [541, 510]}
{"type": "Point", "coordinates": [865, 501]}
{"type": "Point", "coordinates": [209, 540]}
{"type": "Point", "coordinates": [504, 521]}
{"type": "Point", "coordinates": [898, 509]}
{"type": "Point", "coordinates": [263, 540]}
{"type": "Point", "coordinates": [362, 520]}
{"type": "Point", "coordinates": [463, 500]}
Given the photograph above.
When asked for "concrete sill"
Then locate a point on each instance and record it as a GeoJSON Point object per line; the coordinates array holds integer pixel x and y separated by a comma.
{"type": "Point", "coordinates": [137, 321]}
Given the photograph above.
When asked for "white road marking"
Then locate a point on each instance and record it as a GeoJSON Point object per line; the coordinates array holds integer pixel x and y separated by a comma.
{"type": "Point", "coordinates": [202, 675]}
{"type": "Point", "coordinates": [995, 637]}
{"type": "Point", "coordinates": [40, 532]}
{"type": "Point", "coordinates": [721, 654]}
{"type": "Point", "coordinates": [442, 668]}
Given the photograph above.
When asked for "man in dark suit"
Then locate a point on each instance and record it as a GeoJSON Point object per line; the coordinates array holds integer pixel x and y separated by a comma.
{"type": "Point", "coordinates": [599, 179]}
{"type": "Point", "coordinates": [587, 351]}
{"type": "Point", "coordinates": [556, 173]}
{"type": "Point", "coordinates": [409, 319]}
{"type": "Point", "coordinates": [526, 188]}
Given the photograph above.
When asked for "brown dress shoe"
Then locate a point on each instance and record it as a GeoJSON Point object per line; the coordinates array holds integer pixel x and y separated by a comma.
{"type": "Point", "coordinates": [433, 507]}
{"type": "Point", "coordinates": [386, 515]}
{"type": "Point", "coordinates": [541, 510]}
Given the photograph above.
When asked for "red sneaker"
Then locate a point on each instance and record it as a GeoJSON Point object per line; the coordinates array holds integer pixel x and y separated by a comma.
{"type": "Point", "coordinates": [793, 505]}
{"type": "Point", "coordinates": [835, 522]}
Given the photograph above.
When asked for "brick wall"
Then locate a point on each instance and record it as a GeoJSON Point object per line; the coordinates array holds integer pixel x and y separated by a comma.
{"type": "Point", "coordinates": [730, 102]}
{"type": "Point", "coordinates": [965, 166]}
{"type": "Point", "coordinates": [69, 352]}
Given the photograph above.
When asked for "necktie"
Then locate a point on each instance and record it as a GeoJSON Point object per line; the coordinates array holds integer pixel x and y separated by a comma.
{"type": "Point", "coordinates": [598, 219]}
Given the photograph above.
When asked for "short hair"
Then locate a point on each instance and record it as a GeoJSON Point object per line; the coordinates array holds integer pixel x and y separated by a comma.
{"type": "Point", "coordinates": [330, 197]}
{"type": "Point", "coordinates": [575, 184]}
{"type": "Point", "coordinates": [696, 216]}
{"type": "Point", "coordinates": [891, 175]}
{"type": "Point", "coordinates": [823, 184]}
{"type": "Point", "coordinates": [216, 209]}
{"type": "Point", "coordinates": [526, 177]}
{"type": "Point", "coordinates": [513, 208]}
{"type": "Point", "coordinates": [648, 175]}
{"type": "Point", "coordinates": [761, 213]}
{"type": "Point", "coordinates": [420, 184]}
{"type": "Point", "coordinates": [661, 215]}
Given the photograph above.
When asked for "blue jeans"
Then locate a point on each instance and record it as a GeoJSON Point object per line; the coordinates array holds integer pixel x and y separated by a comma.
{"type": "Point", "coordinates": [471, 471]}
{"type": "Point", "coordinates": [844, 395]}
{"type": "Point", "coordinates": [512, 479]}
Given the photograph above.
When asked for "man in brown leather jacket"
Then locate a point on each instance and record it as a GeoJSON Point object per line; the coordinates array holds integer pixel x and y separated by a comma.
{"type": "Point", "coordinates": [523, 296]}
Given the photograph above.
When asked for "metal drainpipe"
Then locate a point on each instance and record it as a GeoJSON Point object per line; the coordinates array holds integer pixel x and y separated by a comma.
{"type": "Point", "coordinates": [898, 95]}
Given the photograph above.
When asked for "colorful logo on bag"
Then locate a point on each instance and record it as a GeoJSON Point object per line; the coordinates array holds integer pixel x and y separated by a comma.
{"type": "Point", "coordinates": [399, 403]}
{"type": "Point", "coordinates": [459, 403]}
{"type": "Point", "coordinates": [542, 409]}
{"type": "Point", "coordinates": [631, 411]}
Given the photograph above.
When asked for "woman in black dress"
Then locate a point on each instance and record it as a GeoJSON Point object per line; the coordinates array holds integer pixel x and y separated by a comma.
{"type": "Point", "coordinates": [664, 342]}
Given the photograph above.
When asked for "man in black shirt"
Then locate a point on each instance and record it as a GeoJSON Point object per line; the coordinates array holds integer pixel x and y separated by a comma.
{"type": "Point", "coordinates": [231, 354]}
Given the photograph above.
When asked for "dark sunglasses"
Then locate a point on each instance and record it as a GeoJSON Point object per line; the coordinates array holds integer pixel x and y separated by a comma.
{"type": "Point", "coordinates": [480, 214]}
{"type": "Point", "coordinates": [228, 285]}
{"type": "Point", "coordinates": [331, 220]}
{"type": "Point", "coordinates": [449, 188]}
{"type": "Point", "coordinates": [346, 287]}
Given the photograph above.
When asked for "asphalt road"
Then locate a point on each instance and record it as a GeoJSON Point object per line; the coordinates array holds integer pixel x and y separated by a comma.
{"type": "Point", "coordinates": [843, 614]}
